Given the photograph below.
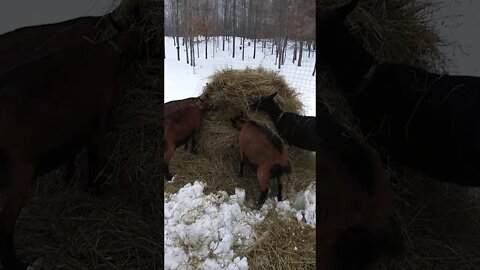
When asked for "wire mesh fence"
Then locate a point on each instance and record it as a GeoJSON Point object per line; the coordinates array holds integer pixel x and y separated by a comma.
{"type": "Point", "coordinates": [215, 54]}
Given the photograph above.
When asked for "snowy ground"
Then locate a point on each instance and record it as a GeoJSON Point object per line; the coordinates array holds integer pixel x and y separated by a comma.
{"type": "Point", "coordinates": [183, 80]}
{"type": "Point", "coordinates": [205, 231]}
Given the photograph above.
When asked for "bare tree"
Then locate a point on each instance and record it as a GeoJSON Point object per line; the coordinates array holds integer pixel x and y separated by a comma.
{"type": "Point", "coordinates": [234, 26]}
{"type": "Point", "coordinates": [275, 24]}
{"type": "Point", "coordinates": [177, 27]}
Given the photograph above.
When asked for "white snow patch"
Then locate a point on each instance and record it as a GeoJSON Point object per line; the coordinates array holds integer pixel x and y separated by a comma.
{"type": "Point", "coordinates": [302, 208]}
{"type": "Point", "coordinates": [206, 231]}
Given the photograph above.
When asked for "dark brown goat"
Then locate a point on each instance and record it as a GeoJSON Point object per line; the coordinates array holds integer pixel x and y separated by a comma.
{"type": "Point", "coordinates": [179, 127]}
{"type": "Point", "coordinates": [27, 43]}
{"type": "Point", "coordinates": [427, 121]}
{"type": "Point", "coordinates": [31, 42]}
{"type": "Point", "coordinates": [354, 202]}
{"type": "Point", "coordinates": [260, 147]}
{"type": "Point", "coordinates": [50, 108]}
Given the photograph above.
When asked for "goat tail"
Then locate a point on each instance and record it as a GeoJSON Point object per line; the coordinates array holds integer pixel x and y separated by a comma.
{"type": "Point", "coordinates": [278, 170]}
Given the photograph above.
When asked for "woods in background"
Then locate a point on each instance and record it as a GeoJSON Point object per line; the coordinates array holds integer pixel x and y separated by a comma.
{"type": "Point", "coordinates": [276, 22]}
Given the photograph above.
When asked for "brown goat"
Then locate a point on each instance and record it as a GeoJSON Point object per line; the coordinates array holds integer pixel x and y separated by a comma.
{"type": "Point", "coordinates": [28, 43]}
{"type": "Point", "coordinates": [260, 147]}
{"type": "Point", "coordinates": [176, 105]}
{"type": "Point", "coordinates": [50, 108]}
{"type": "Point", "coordinates": [354, 202]}
{"type": "Point", "coordinates": [31, 42]}
{"type": "Point", "coordinates": [179, 127]}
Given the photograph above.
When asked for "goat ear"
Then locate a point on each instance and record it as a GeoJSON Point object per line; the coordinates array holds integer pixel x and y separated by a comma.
{"type": "Point", "coordinates": [343, 11]}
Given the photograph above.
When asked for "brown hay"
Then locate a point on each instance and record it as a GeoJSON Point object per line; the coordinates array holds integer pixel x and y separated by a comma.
{"type": "Point", "coordinates": [282, 244]}
{"type": "Point", "coordinates": [439, 222]}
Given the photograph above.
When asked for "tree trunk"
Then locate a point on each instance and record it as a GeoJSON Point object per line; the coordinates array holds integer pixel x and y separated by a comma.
{"type": "Point", "coordinates": [224, 24]}
{"type": "Point", "coordinates": [294, 52]}
{"type": "Point", "coordinates": [254, 47]}
{"type": "Point", "coordinates": [206, 45]}
{"type": "Point", "coordinates": [178, 33]}
{"type": "Point", "coordinates": [243, 48]}
{"type": "Point", "coordinates": [192, 52]}
{"type": "Point", "coordinates": [234, 24]}
{"type": "Point", "coordinates": [300, 53]}
{"type": "Point", "coordinates": [178, 50]}
{"type": "Point", "coordinates": [198, 50]}
{"type": "Point", "coordinates": [278, 58]}
{"type": "Point", "coordinates": [186, 49]}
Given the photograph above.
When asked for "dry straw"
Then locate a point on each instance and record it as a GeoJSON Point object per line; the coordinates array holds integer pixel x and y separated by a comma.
{"type": "Point", "coordinates": [439, 222]}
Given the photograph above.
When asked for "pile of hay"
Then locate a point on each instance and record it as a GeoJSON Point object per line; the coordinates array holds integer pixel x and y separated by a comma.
{"type": "Point", "coordinates": [439, 222]}
{"type": "Point", "coordinates": [122, 229]}
{"type": "Point", "coordinates": [217, 163]}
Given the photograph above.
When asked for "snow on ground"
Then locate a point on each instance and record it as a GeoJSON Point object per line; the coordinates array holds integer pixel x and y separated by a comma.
{"type": "Point", "coordinates": [205, 231]}
{"type": "Point", "coordinates": [201, 230]}
{"type": "Point", "coordinates": [183, 80]}
{"type": "Point", "coordinates": [302, 208]}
